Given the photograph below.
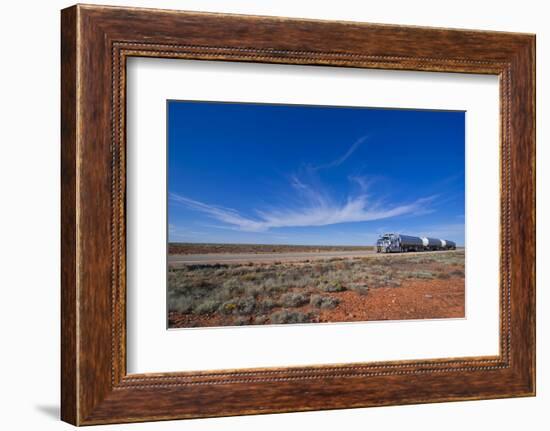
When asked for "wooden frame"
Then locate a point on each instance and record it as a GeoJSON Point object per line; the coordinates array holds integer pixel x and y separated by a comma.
{"type": "Point", "coordinates": [96, 41]}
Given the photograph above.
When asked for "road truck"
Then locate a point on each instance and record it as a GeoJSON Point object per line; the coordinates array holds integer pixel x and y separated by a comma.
{"type": "Point", "coordinates": [399, 243]}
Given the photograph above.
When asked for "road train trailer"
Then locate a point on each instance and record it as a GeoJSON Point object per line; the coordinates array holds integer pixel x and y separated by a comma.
{"type": "Point", "coordinates": [398, 243]}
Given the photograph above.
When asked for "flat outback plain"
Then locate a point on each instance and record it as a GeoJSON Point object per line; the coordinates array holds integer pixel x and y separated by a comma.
{"type": "Point", "coordinates": [242, 284]}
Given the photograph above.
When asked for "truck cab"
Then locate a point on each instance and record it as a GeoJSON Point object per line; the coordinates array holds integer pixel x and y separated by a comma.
{"type": "Point", "coordinates": [388, 243]}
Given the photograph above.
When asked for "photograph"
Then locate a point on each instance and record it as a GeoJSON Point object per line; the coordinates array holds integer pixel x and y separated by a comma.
{"type": "Point", "coordinates": [294, 214]}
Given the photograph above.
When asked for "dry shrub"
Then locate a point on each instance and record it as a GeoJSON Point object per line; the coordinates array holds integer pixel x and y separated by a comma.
{"type": "Point", "coordinates": [266, 305]}
{"type": "Point", "coordinates": [208, 306]}
{"type": "Point", "coordinates": [246, 305]}
{"type": "Point", "coordinates": [292, 299]}
{"type": "Point", "coordinates": [240, 321]}
{"type": "Point", "coordinates": [332, 286]}
{"type": "Point", "coordinates": [360, 288]}
{"type": "Point", "coordinates": [180, 304]}
{"type": "Point", "coordinates": [288, 316]}
{"type": "Point", "coordinates": [261, 319]}
{"type": "Point", "coordinates": [320, 301]}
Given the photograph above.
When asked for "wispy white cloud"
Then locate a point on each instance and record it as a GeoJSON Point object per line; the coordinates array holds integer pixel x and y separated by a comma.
{"type": "Point", "coordinates": [225, 215]}
{"type": "Point", "coordinates": [311, 204]}
{"type": "Point", "coordinates": [317, 210]}
{"type": "Point", "coordinates": [362, 181]}
{"type": "Point", "coordinates": [343, 157]}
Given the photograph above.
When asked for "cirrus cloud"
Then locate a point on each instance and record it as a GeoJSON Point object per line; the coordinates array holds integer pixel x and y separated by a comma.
{"type": "Point", "coordinates": [310, 203]}
{"type": "Point", "coordinates": [317, 210]}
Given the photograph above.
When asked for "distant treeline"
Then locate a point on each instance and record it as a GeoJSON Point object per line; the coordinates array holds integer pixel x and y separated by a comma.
{"type": "Point", "coordinates": [205, 248]}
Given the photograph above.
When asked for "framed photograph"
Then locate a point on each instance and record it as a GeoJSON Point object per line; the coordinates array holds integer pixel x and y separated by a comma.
{"type": "Point", "coordinates": [264, 215]}
{"type": "Point", "coordinates": [295, 204]}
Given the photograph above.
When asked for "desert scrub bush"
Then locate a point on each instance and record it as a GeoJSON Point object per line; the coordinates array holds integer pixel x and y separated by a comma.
{"type": "Point", "coordinates": [233, 286]}
{"type": "Point", "coordinates": [261, 319]}
{"type": "Point", "coordinates": [287, 316]}
{"type": "Point", "coordinates": [254, 290]}
{"type": "Point", "coordinates": [236, 271]}
{"type": "Point", "coordinates": [360, 288]}
{"type": "Point", "coordinates": [251, 276]}
{"type": "Point", "coordinates": [207, 306]}
{"type": "Point", "coordinates": [228, 307]}
{"type": "Point", "coordinates": [384, 282]}
{"type": "Point", "coordinates": [337, 275]}
{"type": "Point", "coordinates": [238, 306]}
{"type": "Point", "coordinates": [319, 269]}
{"type": "Point", "coordinates": [220, 272]}
{"type": "Point", "coordinates": [392, 283]}
{"type": "Point", "coordinates": [420, 260]}
{"type": "Point", "coordinates": [424, 274]}
{"type": "Point", "coordinates": [266, 305]}
{"type": "Point", "coordinates": [332, 286]}
{"type": "Point", "coordinates": [418, 274]}
{"type": "Point", "coordinates": [246, 305]}
{"type": "Point", "coordinates": [443, 275]}
{"type": "Point", "coordinates": [182, 282]}
{"type": "Point", "coordinates": [303, 281]}
{"type": "Point", "coordinates": [342, 265]}
{"type": "Point", "coordinates": [457, 273]}
{"type": "Point", "coordinates": [377, 270]}
{"type": "Point", "coordinates": [335, 259]}
{"type": "Point", "coordinates": [274, 285]}
{"type": "Point", "coordinates": [180, 304]}
{"type": "Point", "coordinates": [240, 321]}
{"type": "Point", "coordinates": [320, 301]}
{"type": "Point", "coordinates": [292, 299]}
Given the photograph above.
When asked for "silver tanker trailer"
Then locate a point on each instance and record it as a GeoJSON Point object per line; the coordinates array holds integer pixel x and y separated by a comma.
{"type": "Point", "coordinates": [398, 243]}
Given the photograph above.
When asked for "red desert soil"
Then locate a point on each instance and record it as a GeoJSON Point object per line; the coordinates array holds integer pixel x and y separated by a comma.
{"type": "Point", "coordinates": [414, 299]}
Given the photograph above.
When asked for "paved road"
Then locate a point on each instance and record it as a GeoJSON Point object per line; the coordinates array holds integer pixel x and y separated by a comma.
{"type": "Point", "coordinates": [187, 259]}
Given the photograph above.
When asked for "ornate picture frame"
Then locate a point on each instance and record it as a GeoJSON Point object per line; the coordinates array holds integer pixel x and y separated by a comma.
{"type": "Point", "coordinates": [96, 41]}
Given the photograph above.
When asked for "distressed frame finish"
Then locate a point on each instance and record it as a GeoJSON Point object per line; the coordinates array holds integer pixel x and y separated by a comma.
{"type": "Point", "coordinates": [95, 42]}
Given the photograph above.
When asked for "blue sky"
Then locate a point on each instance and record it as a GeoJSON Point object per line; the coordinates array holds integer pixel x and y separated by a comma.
{"type": "Point", "coordinates": [292, 174]}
